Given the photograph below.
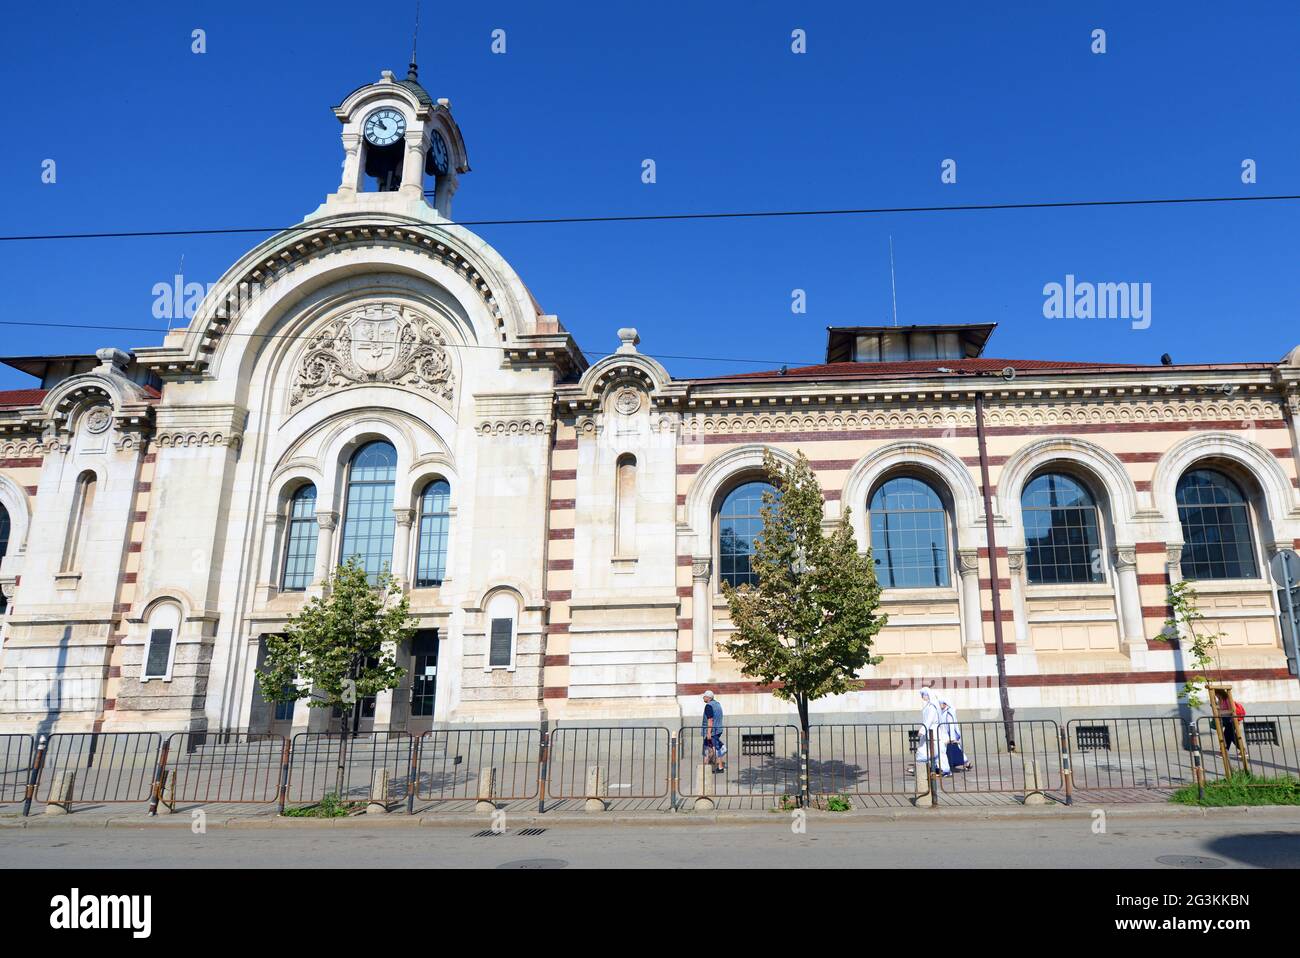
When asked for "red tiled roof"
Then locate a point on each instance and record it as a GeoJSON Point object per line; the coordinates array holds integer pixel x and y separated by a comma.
{"type": "Point", "coordinates": [13, 398]}
{"type": "Point", "coordinates": [926, 368]}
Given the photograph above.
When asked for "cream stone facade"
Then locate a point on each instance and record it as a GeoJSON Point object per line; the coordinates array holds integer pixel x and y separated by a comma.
{"type": "Point", "coordinates": [378, 380]}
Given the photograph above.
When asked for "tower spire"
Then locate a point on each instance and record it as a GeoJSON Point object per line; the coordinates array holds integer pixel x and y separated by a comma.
{"type": "Point", "coordinates": [413, 71]}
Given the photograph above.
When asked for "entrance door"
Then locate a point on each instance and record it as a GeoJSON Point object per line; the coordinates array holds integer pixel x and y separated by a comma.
{"type": "Point", "coordinates": [424, 679]}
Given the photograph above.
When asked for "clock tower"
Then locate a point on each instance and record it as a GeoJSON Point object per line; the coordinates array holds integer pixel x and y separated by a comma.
{"type": "Point", "coordinates": [400, 146]}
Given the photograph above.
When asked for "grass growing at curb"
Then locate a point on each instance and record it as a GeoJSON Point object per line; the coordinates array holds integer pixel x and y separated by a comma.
{"type": "Point", "coordinates": [327, 807]}
{"type": "Point", "coordinates": [1243, 789]}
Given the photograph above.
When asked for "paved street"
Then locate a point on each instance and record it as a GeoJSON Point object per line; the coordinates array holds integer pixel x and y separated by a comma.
{"type": "Point", "coordinates": [1235, 840]}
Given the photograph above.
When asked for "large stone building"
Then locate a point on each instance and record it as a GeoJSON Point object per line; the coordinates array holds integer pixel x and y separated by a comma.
{"type": "Point", "coordinates": [378, 382]}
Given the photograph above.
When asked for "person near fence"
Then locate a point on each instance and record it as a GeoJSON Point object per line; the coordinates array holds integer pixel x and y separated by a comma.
{"type": "Point", "coordinates": [1229, 710]}
{"type": "Point", "coordinates": [930, 731]}
{"type": "Point", "coordinates": [715, 749]}
{"type": "Point", "coordinates": [950, 736]}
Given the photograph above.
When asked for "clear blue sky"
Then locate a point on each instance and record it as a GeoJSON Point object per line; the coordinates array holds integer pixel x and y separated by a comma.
{"type": "Point", "coordinates": [148, 135]}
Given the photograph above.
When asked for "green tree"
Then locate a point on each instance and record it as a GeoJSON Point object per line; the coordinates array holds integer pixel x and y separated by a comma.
{"type": "Point", "coordinates": [1187, 619]}
{"type": "Point", "coordinates": [340, 648]}
{"type": "Point", "coordinates": [808, 626]}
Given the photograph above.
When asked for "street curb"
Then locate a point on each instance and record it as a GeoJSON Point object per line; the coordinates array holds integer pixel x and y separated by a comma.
{"type": "Point", "coordinates": [680, 819]}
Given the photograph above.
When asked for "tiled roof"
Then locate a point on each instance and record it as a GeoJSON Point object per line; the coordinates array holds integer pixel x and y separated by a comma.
{"type": "Point", "coordinates": [926, 368]}
{"type": "Point", "coordinates": [10, 399]}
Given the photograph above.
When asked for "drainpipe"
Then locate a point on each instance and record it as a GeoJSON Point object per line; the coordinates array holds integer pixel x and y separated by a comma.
{"type": "Point", "coordinates": [1008, 716]}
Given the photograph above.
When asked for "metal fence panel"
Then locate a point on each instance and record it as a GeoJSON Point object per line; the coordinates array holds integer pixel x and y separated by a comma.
{"type": "Point", "coordinates": [16, 755]}
{"type": "Point", "coordinates": [865, 759]}
{"type": "Point", "coordinates": [325, 763]}
{"type": "Point", "coordinates": [636, 759]}
{"type": "Point", "coordinates": [231, 767]}
{"type": "Point", "coordinates": [1271, 745]}
{"type": "Point", "coordinates": [1129, 753]}
{"type": "Point", "coordinates": [994, 767]}
{"type": "Point", "coordinates": [451, 762]}
{"type": "Point", "coordinates": [760, 760]}
{"type": "Point", "coordinates": [106, 766]}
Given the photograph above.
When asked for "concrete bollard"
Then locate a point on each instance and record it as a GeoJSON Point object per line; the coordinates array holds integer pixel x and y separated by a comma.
{"type": "Point", "coordinates": [1033, 783]}
{"type": "Point", "coordinates": [61, 786]}
{"type": "Point", "coordinates": [597, 789]}
{"type": "Point", "coordinates": [378, 804]}
{"type": "Point", "coordinates": [487, 789]}
{"type": "Point", "coordinates": [923, 797]}
{"type": "Point", "coordinates": [705, 801]}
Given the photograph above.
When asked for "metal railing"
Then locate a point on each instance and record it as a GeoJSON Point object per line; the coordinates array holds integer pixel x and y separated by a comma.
{"type": "Point", "coordinates": [994, 767]}
{"type": "Point", "coordinates": [16, 755]}
{"type": "Point", "coordinates": [105, 767]}
{"type": "Point", "coordinates": [761, 760]}
{"type": "Point", "coordinates": [868, 759]}
{"type": "Point", "coordinates": [343, 765]}
{"type": "Point", "coordinates": [452, 764]}
{"type": "Point", "coordinates": [221, 767]}
{"type": "Point", "coordinates": [1272, 746]}
{"type": "Point", "coordinates": [1109, 754]}
{"type": "Point", "coordinates": [637, 761]}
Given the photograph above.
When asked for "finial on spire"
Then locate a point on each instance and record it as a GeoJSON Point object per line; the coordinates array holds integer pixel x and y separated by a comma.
{"type": "Point", "coordinates": [413, 71]}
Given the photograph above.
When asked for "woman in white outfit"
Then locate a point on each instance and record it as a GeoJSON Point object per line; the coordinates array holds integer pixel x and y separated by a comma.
{"type": "Point", "coordinates": [950, 736]}
{"type": "Point", "coordinates": [930, 717]}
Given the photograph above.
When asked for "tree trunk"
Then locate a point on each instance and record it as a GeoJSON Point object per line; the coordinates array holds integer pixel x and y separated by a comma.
{"type": "Point", "coordinates": [804, 797]}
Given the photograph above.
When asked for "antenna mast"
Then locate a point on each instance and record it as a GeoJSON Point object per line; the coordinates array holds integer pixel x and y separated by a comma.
{"type": "Point", "coordinates": [413, 71]}
{"type": "Point", "coordinates": [893, 289]}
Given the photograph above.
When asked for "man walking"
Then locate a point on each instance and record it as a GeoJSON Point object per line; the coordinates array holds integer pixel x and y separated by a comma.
{"type": "Point", "coordinates": [711, 728]}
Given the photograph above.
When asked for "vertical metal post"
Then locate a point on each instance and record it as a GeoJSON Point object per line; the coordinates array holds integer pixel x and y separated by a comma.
{"type": "Point", "coordinates": [932, 763]}
{"type": "Point", "coordinates": [38, 763]}
{"type": "Point", "coordinates": [285, 753]}
{"type": "Point", "coordinates": [674, 771]}
{"type": "Point", "coordinates": [413, 775]}
{"type": "Point", "coordinates": [990, 534]}
{"type": "Point", "coordinates": [155, 792]}
{"type": "Point", "coordinates": [803, 768]}
{"type": "Point", "coordinates": [543, 758]}
{"type": "Point", "coordinates": [1067, 773]}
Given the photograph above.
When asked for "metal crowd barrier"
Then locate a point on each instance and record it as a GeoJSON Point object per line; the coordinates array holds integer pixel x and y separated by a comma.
{"type": "Point", "coordinates": [343, 764]}
{"type": "Point", "coordinates": [994, 766]}
{"type": "Point", "coordinates": [105, 767]}
{"type": "Point", "coordinates": [869, 759]}
{"type": "Point", "coordinates": [761, 760]}
{"type": "Point", "coordinates": [637, 761]}
{"type": "Point", "coordinates": [451, 764]}
{"type": "Point", "coordinates": [16, 755]}
{"type": "Point", "coordinates": [222, 767]}
{"type": "Point", "coordinates": [1109, 754]}
{"type": "Point", "coordinates": [1271, 746]}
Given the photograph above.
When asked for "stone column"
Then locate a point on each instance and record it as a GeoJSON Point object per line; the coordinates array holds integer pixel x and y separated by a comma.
{"type": "Point", "coordinates": [413, 165]}
{"type": "Point", "coordinates": [1130, 599]}
{"type": "Point", "coordinates": [1293, 413]}
{"type": "Point", "coordinates": [972, 613]}
{"type": "Point", "coordinates": [350, 185]}
{"type": "Point", "coordinates": [272, 556]}
{"type": "Point", "coordinates": [1174, 567]}
{"type": "Point", "coordinates": [402, 568]}
{"type": "Point", "coordinates": [702, 610]}
{"type": "Point", "coordinates": [1019, 608]}
{"type": "Point", "coordinates": [325, 521]}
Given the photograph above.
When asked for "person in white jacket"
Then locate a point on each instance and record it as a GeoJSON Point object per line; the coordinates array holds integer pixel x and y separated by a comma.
{"type": "Point", "coordinates": [930, 718]}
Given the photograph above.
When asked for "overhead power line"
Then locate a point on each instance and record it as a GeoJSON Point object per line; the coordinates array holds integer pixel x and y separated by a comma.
{"type": "Point", "coordinates": [667, 217]}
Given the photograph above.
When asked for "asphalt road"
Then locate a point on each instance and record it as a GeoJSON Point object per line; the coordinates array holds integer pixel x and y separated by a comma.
{"type": "Point", "coordinates": [1065, 843]}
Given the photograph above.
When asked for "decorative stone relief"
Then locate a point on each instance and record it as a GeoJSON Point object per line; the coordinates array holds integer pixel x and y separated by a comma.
{"type": "Point", "coordinates": [701, 568]}
{"type": "Point", "coordinates": [374, 344]}
{"type": "Point", "coordinates": [627, 401]}
{"type": "Point", "coordinates": [99, 419]}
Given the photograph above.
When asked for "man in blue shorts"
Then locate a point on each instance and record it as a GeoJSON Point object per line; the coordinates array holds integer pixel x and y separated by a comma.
{"type": "Point", "coordinates": [711, 730]}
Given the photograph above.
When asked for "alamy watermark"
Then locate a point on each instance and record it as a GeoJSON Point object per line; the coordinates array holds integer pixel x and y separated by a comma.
{"type": "Point", "coordinates": [1084, 300]}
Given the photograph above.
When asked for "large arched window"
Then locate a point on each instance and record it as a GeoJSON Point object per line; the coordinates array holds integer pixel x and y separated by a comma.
{"type": "Point", "coordinates": [1217, 542]}
{"type": "Point", "coordinates": [740, 520]}
{"type": "Point", "coordinates": [909, 535]}
{"type": "Point", "coordinates": [431, 559]}
{"type": "Point", "coordinates": [368, 520]}
{"type": "Point", "coordinates": [300, 540]}
{"type": "Point", "coordinates": [1062, 543]}
{"type": "Point", "coordinates": [4, 548]}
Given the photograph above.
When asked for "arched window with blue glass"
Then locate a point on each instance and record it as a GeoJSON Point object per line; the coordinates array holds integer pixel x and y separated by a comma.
{"type": "Point", "coordinates": [300, 540]}
{"type": "Point", "coordinates": [1062, 537]}
{"type": "Point", "coordinates": [1215, 516]}
{"type": "Point", "coordinates": [368, 520]}
{"type": "Point", "coordinates": [435, 517]}
{"type": "Point", "coordinates": [909, 535]}
{"type": "Point", "coordinates": [740, 520]}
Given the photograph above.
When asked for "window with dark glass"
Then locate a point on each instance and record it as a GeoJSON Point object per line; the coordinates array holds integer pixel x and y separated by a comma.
{"type": "Point", "coordinates": [431, 559]}
{"type": "Point", "coordinates": [424, 672]}
{"type": "Point", "coordinates": [158, 654]}
{"type": "Point", "coordinates": [502, 642]}
{"type": "Point", "coordinates": [284, 709]}
{"type": "Point", "coordinates": [1217, 542]}
{"type": "Point", "coordinates": [368, 520]}
{"type": "Point", "coordinates": [1062, 544]}
{"type": "Point", "coordinates": [4, 548]}
{"type": "Point", "coordinates": [909, 537]}
{"type": "Point", "coordinates": [300, 540]}
{"type": "Point", "coordinates": [740, 521]}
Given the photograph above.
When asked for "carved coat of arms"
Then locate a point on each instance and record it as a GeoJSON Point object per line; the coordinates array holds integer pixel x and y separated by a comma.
{"type": "Point", "coordinates": [374, 344]}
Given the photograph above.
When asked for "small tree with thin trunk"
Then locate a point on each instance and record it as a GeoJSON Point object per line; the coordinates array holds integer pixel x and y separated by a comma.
{"type": "Point", "coordinates": [808, 626]}
{"type": "Point", "coordinates": [340, 648]}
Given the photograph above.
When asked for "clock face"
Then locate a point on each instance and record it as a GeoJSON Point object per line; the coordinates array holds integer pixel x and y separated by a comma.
{"type": "Point", "coordinates": [385, 126]}
{"type": "Point", "coordinates": [438, 153]}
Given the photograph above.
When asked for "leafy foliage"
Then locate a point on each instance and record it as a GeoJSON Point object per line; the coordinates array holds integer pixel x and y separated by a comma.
{"type": "Point", "coordinates": [341, 647]}
{"type": "Point", "coordinates": [1186, 618]}
{"type": "Point", "coordinates": [808, 626]}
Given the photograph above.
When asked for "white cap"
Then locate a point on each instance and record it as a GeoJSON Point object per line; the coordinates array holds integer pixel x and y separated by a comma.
{"type": "Point", "coordinates": [709, 694]}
